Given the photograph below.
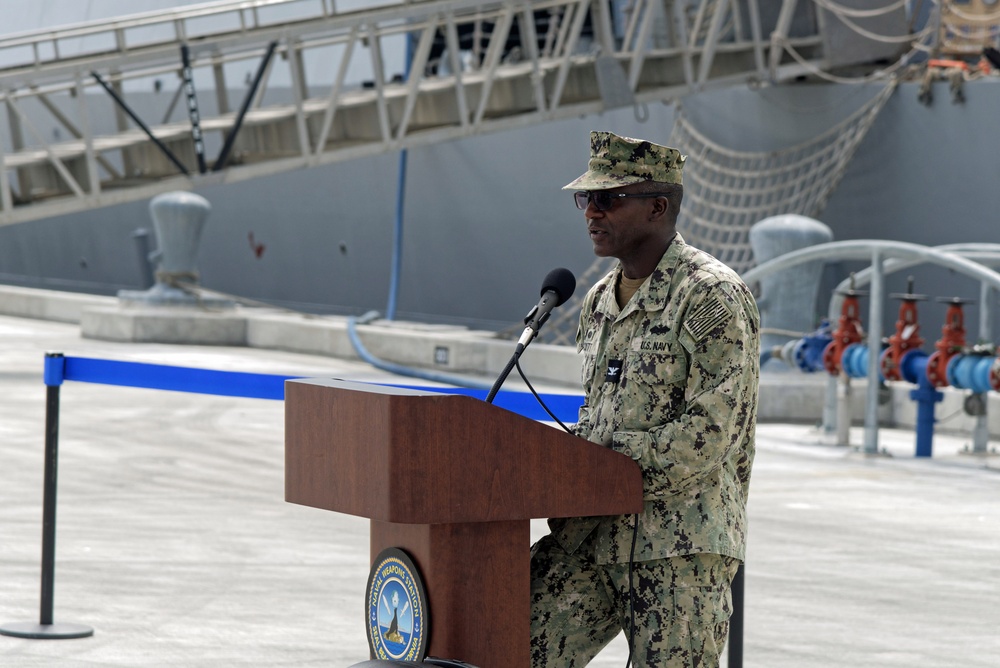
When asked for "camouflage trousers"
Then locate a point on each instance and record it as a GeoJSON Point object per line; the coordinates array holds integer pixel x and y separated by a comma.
{"type": "Point", "coordinates": [682, 608]}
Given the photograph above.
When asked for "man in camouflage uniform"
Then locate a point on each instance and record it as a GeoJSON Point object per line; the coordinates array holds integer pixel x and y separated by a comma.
{"type": "Point", "coordinates": [671, 364]}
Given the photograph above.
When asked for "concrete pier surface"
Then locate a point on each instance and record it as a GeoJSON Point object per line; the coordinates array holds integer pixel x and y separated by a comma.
{"type": "Point", "coordinates": [175, 544]}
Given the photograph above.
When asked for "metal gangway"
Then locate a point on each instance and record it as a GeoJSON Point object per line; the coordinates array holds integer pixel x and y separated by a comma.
{"type": "Point", "coordinates": [105, 112]}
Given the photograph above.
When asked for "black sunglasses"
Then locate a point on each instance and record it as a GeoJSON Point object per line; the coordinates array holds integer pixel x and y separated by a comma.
{"type": "Point", "coordinates": [604, 200]}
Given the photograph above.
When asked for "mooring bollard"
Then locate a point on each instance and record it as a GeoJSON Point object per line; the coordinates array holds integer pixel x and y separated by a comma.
{"type": "Point", "coordinates": [178, 221]}
{"type": "Point", "coordinates": [788, 299]}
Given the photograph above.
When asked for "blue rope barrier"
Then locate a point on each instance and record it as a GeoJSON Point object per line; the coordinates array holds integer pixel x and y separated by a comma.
{"type": "Point", "coordinates": [59, 368]}
{"type": "Point", "coordinates": [178, 379]}
{"type": "Point", "coordinates": [263, 386]}
{"type": "Point", "coordinates": [565, 406]}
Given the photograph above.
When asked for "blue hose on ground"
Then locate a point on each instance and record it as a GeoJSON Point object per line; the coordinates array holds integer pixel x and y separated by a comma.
{"type": "Point", "coordinates": [400, 370]}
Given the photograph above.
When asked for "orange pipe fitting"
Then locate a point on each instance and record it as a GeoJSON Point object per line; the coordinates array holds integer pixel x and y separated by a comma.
{"type": "Point", "coordinates": [951, 343]}
{"type": "Point", "coordinates": [907, 336]}
{"type": "Point", "coordinates": [849, 331]}
{"type": "Point", "coordinates": [995, 375]}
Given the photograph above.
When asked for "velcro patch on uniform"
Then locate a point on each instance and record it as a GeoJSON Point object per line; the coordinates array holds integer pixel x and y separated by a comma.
{"type": "Point", "coordinates": [614, 373]}
{"type": "Point", "coordinates": [709, 315]}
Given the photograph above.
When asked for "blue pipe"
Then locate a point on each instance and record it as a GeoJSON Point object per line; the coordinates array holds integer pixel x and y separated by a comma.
{"type": "Point", "coordinates": [970, 372]}
{"type": "Point", "coordinates": [855, 361]}
{"type": "Point", "coordinates": [807, 354]}
{"type": "Point", "coordinates": [914, 368]}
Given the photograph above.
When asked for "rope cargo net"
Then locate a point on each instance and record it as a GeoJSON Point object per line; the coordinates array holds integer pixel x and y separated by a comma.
{"type": "Point", "coordinates": [726, 192]}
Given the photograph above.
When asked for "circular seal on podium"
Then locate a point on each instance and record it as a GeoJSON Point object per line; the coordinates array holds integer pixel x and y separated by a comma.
{"type": "Point", "coordinates": [396, 606]}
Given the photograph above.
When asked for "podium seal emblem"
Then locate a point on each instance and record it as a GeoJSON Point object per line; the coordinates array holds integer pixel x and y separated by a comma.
{"type": "Point", "coordinates": [396, 603]}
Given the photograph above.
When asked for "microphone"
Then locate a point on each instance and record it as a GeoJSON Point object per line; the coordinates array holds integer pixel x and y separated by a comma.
{"type": "Point", "coordinates": [557, 287]}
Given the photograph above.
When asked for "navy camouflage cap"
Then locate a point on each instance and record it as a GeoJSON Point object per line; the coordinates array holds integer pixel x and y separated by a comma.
{"type": "Point", "coordinates": [619, 161]}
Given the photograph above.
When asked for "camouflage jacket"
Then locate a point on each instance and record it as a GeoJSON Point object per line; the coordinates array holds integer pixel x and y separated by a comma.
{"type": "Point", "coordinates": [671, 381]}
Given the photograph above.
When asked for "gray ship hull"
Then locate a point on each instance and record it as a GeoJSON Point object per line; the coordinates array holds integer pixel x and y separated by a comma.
{"type": "Point", "coordinates": [485, 218]}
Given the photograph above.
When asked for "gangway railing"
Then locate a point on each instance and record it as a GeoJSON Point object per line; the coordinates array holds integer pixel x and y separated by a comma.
{"type": "Point", "coordinates": [89, 122]}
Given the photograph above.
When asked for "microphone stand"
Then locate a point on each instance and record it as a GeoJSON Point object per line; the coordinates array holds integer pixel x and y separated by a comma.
{"type": "Point", "coordinates": [502, 377]}
{"type": "Point", "coordinates": [510, 364]}
{"type": "Point", "coordinates": [557, 288]}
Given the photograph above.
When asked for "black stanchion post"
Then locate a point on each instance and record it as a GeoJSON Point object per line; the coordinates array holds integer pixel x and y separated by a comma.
{"type": "Point", "coordinates": [46, 628]}
{"type": "Point", "coordinates": [736, 622]}
{"type": "Point", "coordinates": [49, 503]}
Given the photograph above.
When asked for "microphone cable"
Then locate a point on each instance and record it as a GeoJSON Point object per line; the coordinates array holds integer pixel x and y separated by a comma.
{"type": "Point", "coordinates": [635, 521]}
{"type": "Point", "coordinates": [631, 591]}
{"type": "Point", "coordinates": [557, 288]}
{"type": "Point", "coordinates": [538, 398]}
{"type": "Point", "coordinates": [635, 524]}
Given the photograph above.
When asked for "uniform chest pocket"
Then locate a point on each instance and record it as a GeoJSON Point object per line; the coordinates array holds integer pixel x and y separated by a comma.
{"type": "Point", "coordinates": [653, 384]}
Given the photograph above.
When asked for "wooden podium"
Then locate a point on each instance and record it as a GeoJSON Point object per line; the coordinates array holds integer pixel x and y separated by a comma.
{"type": "Point", "coordinates": [453, 481]}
